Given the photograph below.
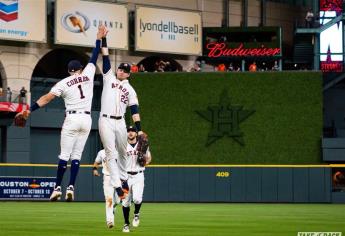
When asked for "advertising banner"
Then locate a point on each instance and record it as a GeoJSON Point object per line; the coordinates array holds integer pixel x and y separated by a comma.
{"type": "Point", "coordinates": [168, 31]}
{"type": "Point", "coordinates": [76, 23]}
{"type": "Point", "coordinates": [23, 20]}
{"type": "Point", "coordinates": [239, 42]}
{"type": "Point", "coordinates": [331, 39]}
{"type": "Point", "coordinates": [26, 188]}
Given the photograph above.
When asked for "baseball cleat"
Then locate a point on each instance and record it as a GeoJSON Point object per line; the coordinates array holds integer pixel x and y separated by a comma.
{"type": "Point", "coordinates": [69, 194]}
{"type": "Point", "coordinates": [110, 224]}
{"type": "Point", "coordinates": [136, 220]}
{"type": "Point", "coordinates": [125, 228]}
{"type": "Point", "coordinates": [56, 195]}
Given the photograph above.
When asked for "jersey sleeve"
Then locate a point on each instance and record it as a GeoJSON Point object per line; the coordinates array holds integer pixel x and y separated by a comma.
{"type": "Point", "coordinates": [132, 97]}
{"type": "Point", "coordinates": [58, 89]}
{"type": "Point", "coordinates": [90, 71]}
{"type": "Point", "coordinates": [108, 75]}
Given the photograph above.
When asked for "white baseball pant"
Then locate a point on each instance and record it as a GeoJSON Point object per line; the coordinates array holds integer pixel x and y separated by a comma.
{"type": "Point", "coordinates": [136, 189]}
{"type": "Point", "coordinates": [110, 198]}
{"type": "Point", "coordinates": [113, 134]}
{"type": "Point", "coordinates": [74, 133]}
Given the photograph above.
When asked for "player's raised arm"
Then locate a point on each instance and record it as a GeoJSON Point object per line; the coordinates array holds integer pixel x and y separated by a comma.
{"type": "Point", "coordinates": [97, 48]}
{"type": "Point", "coordinates": [105, 53]}
{"type": "Point", "coordinates": [42, 101]}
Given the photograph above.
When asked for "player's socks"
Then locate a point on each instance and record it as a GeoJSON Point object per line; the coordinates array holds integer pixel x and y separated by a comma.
{"type": "Point", "coordinates": [125, 211]}
{"type": "Point", "coordinates": [74, 171]}
{"type": "Point", "coordinates": [62, 166]}
{"type": "Point", "coordinates": [137, 208]}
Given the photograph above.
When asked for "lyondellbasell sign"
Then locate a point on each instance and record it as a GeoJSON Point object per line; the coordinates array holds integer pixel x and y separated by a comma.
{"type": "Point", "coordinates": [168, 31]}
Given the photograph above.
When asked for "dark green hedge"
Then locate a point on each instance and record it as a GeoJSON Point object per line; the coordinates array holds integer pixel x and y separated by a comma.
{"type": "Point", "coordinates": [286, 127]}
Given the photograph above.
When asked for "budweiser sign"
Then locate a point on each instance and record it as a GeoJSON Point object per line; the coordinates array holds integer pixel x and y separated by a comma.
{"type": "Point", "coordinates": [221, 50]}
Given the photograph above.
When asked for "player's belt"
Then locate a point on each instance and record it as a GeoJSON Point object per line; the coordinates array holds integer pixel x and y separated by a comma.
{"type": "Point", "coordinates": [134, 173]}
{"type": "Point", "coordinates": [78, 112]}
{"type": "Point", "coordinates": [112, 117]}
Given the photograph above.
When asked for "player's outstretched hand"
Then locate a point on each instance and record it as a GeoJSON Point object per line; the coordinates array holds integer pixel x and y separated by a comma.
{"type": "Point", "coordinates": [100, 32]}
{"type": "Point", "coordinates": [105, 31]}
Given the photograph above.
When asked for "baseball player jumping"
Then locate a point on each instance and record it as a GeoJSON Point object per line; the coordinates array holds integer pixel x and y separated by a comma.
{"type": "Point", "coordinates": [117, 94]}
{"type": "Point", "coordinates": [77, 92]}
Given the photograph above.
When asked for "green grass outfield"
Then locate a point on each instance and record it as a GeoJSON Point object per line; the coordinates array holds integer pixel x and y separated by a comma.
{"type": "Point", "coordinates": [46, 218]}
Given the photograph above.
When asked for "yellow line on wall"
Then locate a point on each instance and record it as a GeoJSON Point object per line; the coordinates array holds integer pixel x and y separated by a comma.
{"type": "Point", "coordinates": [189, 166]}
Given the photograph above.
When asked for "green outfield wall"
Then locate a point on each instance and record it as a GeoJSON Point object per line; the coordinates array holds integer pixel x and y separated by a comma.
{"type": "Point", "coordinates": [195, 118]}
{"type": "Point", "coordinates": [232, 118]}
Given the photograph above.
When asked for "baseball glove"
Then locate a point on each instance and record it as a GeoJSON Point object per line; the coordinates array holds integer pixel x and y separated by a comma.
{"type": "Point", "coordinates": [143, 145]}
{"type": "Point", "coordinates": [21, 118]}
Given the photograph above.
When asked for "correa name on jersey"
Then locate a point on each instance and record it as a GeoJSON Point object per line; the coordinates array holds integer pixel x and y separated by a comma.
{"type": "Point", "coordinates": [77, 80]}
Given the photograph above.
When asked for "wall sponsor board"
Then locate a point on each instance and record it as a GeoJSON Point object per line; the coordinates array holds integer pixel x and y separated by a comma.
{"type": "Point", "coordinates": [26, 188]}
{"type": "Point", "coordinates": [241, 42]}
{"type": "Point", "coordinates": [76, 23]}
{"type": "Point", "coordinates": [331, 44]}
{"type": "Point", "coordinates": [168, 31]}
{"type": "Point", "coordinates": [17, 23]}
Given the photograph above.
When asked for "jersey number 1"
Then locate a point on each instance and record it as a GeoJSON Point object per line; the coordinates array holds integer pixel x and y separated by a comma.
{"type": "Point", "coordinates": [81, 92]}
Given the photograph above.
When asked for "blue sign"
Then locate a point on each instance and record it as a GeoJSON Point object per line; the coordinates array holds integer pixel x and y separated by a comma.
{"type": "Point", "coordinates": [26, 188]}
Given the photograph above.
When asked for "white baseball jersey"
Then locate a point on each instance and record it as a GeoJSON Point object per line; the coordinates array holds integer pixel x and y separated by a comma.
{"type": "Point", "coordinates": [77, 89]}
{"type": "Point", "coordinates": [101, 159]}
{"type": "Point", "coordinates": [132, 158]}
{"type": "Point", "coordinates": [136, 176]}
{"type": "Point", "coordinates": [77, 92]}
{"type": "Point", "coordinates": [116, 95]}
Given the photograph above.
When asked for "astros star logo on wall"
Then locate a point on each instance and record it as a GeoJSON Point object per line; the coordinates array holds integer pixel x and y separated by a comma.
{"type": "Point", "coordinates": [225, 119]}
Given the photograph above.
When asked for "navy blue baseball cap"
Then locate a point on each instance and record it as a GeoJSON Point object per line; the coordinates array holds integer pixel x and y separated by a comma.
{"type": "Point", "coordinates": [74, 65]}
{"type": "Point", "coordinates": [131, 128]}
{"type": "Point", "coordinates": [125, 67]}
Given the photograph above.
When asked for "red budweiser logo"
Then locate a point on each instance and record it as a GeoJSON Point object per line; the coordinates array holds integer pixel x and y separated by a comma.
{"type": "Point", "coordinates": [220, 50]}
